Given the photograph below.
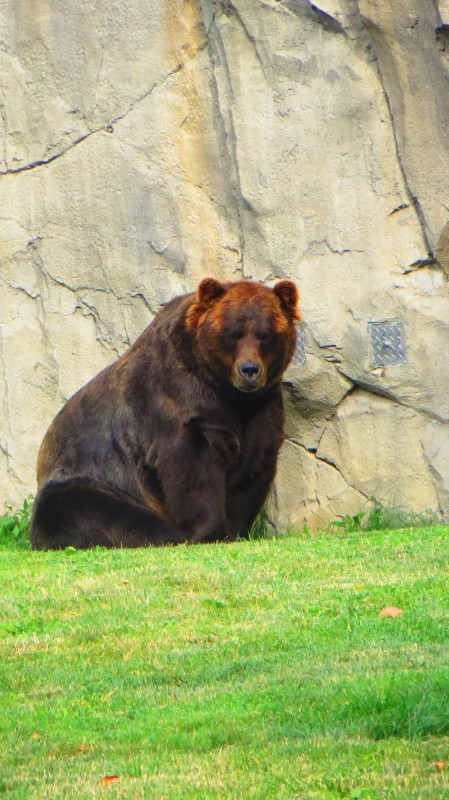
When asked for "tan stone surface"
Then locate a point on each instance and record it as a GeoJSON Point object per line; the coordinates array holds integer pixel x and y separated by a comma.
{"type": "Point", "coordinates": [379, 449]}
{"type": "Point", "coordinates": [144, 145]}
{"type": "Point", "coordinates": [310, 491]}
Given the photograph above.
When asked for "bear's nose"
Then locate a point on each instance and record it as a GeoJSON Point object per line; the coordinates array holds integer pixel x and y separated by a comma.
{"type": "Point", "coordinates": [250, 371]}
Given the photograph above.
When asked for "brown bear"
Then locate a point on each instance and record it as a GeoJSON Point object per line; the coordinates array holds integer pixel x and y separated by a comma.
{"type": "Point", "coordinates": [177, 440]}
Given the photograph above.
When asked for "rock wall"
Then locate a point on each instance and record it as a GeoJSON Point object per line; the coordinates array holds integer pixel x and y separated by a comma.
{"type": "Point", "coordinates": [145, 145]}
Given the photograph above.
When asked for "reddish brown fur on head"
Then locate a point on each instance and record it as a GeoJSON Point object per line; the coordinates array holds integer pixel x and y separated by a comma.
{"type": "Point", "coordinates": [244, 332]}
{"type": "Point", "coordinates": [288, 295]}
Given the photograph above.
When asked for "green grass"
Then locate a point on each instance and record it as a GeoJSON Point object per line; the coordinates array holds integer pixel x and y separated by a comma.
{"type": "Point", "coordinates": [15, 525]}
{"type": "Point", "coordinates": [384, 517]}
{"type": "Point", "coordinates": [259, 669]}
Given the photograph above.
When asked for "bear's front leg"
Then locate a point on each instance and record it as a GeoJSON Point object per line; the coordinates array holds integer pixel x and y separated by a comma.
{"type": "Point", "coordinates": [192, 471]}
{"type": "Point", "coordinates": [244, 503]}
{"type": "Point", "coordinates": [250, 482]}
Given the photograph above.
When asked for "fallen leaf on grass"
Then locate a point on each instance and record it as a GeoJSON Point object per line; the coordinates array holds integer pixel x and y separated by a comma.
{"type": "Point", "coordinates": [391, 611]}
{"type": "Point", "coordinates": [108, 778]}
{"type": "Point", "coordinates": [35, 736]}
{"type": "Point", "coordinates": [440, 765]}
{"type": "Point", "coordinates": [84, 748]}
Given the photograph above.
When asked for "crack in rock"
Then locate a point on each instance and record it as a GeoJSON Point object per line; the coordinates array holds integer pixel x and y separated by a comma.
{"type": "Point", "coordinates": [218, 57]}
{"type": "Point", "coordinates": [317, 242]}
{"type": "Point", "coordinates": [303, 8]}
{"type": "Point", "coordinates": [44, 161]}
{"type": "Point", "coordinates": [102, 332]}
{"type": "Point", "coordinates": [414, 200]}
{"type": "Point", "coordinates": [401, 207]}
{"type": "Point", "coordinates": [108, 126]}
{"type": "Point", "coordinates": [230, 9]}
{"type": "Point", "coordinates": [24, 291]}
{"type": "Point", "coordinates": [420, 263]}
{"type": "Point", "coordinates": [313, 454]}
{"type": "Point", "coordinates": [383, 391]}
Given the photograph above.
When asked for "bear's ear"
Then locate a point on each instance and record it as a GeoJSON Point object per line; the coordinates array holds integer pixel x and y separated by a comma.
{"type": "Point", "coordinates": [208, 291]}
{"type": "Point", "coordinates": [287, 292]}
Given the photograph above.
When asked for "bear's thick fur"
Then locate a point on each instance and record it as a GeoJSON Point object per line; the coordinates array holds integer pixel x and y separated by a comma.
{"type": "Point", "coordinates": [177, 440]}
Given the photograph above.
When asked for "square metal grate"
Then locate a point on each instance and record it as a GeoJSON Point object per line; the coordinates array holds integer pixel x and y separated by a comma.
{"type": "Point", "coordinates": [299, 359]}
{"type": "Point", "coordinates": [387, 343]}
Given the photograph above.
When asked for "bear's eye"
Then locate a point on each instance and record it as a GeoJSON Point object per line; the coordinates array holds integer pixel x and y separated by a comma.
{"type": "Point", "coordinates": [265, 338]}
{"type": "Point", "coordinates": [232, 337]}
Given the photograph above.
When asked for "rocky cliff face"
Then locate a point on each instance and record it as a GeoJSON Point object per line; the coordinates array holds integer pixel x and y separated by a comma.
{"type": "Point", "coordinates": [145, 145]}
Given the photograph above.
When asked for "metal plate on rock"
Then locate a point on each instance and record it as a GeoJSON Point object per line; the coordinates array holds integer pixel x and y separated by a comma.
{"type": "Point", "coordinates": [299, 359]}
{"type": "Point", "coordinates": [387, 343]}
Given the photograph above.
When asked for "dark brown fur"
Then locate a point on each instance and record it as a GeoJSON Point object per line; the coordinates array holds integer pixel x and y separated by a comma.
{"type": "Point", "coordinates": [177, 440]}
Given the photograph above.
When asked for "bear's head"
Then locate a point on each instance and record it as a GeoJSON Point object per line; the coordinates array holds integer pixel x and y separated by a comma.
{"type": "Point", "coordinates": [244, 333]}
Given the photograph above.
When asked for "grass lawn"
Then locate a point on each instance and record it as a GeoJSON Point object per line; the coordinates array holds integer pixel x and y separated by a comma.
{"type": "Point", "coordinates": [252, 670]}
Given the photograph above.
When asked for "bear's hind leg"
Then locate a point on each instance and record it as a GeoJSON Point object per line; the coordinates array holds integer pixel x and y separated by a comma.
{"type": "Point", "coordinates": [82, 513]}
